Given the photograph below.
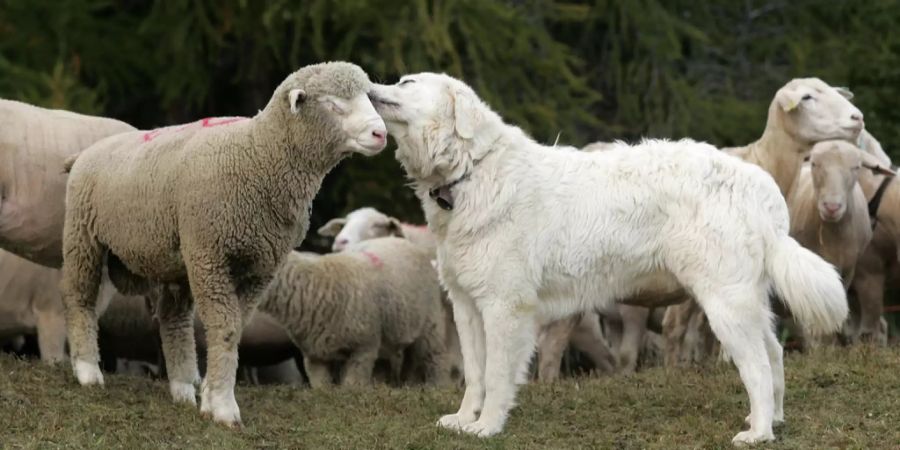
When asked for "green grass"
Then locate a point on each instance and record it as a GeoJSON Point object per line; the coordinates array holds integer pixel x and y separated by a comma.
{"type": "Point", "coordinates": [836, 398]}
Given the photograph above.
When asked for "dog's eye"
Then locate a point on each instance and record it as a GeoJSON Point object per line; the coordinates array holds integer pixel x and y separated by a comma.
{"type": "Point", "coordinates": [407, 82]}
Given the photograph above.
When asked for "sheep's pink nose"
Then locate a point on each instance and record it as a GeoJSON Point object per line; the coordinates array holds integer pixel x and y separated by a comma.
{"type": "Point", "coordinates": [379, 134]}
{"type": "Point", "coordinates": [832, 207]}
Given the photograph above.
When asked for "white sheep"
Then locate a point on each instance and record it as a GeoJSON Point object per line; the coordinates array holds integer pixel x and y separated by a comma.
{"type": "Point", "coordinates": [369, 223]}
{"type": "Point", "coordinates": [378, 298]}
{"type": "Point", "coordinates": [217, 205]}
{"type": "Point", "coordinates": [34, 143]}
{"type": "Point", "coordinates": [527, 235]}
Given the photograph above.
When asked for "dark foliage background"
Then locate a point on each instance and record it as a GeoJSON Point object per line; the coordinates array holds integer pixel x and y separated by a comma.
{"type": "Point", "coordinates": [583, 70]}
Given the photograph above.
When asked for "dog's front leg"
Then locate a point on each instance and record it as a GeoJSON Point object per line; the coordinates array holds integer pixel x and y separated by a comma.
{"type": "Point", "coordinates": [510, 334]}
{"type": "Point", "coordinates": [470, 328]}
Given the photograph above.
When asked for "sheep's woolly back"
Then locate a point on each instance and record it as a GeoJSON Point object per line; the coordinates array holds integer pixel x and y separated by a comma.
{"type": "Point", "coordinates": [34, 145]}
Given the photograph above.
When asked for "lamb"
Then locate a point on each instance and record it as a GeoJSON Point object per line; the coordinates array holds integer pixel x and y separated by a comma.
{"type": "Point", "coordinates": [517, 247]}
{"type": "Point", "coordinates": [212, 207]}
{"type": "Point", "coordinates": [376, 299]}
{"type": "Point", "coordinates": [804, 111]}
{"type": "Point", "coordinates": [369, 223]}
{"type": "Point", "coordinates": [34, 144]}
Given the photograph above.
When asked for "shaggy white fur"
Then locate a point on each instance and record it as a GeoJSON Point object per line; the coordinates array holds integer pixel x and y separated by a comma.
{"type": "Point", "coordinates": [533, 234]}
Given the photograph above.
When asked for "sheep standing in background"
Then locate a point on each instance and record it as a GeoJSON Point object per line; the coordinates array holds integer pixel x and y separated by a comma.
{"type": "Point", "coordinates": [829, 213]}
{"type": "Point", "coordinates": [30, 301]}
{"type": "Point", "coordinates": [369, 223]}
{"type": "Point", "coordinates": [34, 143]}
{"type": "Point", "coordinates": [376, 299]}
{"type": "Point", "coordinates": [804, 111]}
{"type": "Point", "coordinates": [213, 207]}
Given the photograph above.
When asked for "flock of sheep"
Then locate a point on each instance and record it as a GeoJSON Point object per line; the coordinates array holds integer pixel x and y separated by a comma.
{"type": "Point", "coordinates": [179, 241]}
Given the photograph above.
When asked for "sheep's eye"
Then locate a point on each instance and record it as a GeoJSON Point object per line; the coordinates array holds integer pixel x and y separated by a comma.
{"type": "Point", "coordinates": [807, 97]}
{"type": "Point", "coordinates": [407, 81]}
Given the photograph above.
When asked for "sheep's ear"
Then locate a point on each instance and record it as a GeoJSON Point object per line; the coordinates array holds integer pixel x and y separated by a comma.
{"type": "Point", "coordinates": [395, 228]}
{"type": "Point", "coordinates": [296, 97]}
{"type": "Point", "coordinates": [877, 167]}
{"type": "Point", "coordinates": [845, 92]}
{"type": "Point", "coordinates": [465, 114]}
{"type": "Point", "coordinates": [788, 99]}
{"type": "Point", "coordinates": [332, 228]}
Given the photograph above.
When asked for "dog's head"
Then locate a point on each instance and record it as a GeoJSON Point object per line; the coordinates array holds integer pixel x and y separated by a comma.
{"type": "Point", "coordinates": [440, 125]}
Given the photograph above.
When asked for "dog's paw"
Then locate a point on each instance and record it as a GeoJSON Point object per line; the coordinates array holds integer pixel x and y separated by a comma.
{"type": "Point", "coordinates": [454, 421]}
{"type": "Point", "coordinates": [483, 428]}
{"type": "Point", "coordinates": [750, 437]}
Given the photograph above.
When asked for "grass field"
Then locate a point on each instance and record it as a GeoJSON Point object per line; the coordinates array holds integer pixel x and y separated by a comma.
{"type": "Point", "coordinates": [836, 398]}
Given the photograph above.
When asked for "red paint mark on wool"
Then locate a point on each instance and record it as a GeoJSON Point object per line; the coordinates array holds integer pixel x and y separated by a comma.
{"type": "Point", "coordinates": [373, 258]}
{"type": "Point", "coordinates": [203, 123]}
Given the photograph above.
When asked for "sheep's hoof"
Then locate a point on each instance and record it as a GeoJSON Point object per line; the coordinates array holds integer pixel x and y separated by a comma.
{"type": "Point", "coordinates": [88, 374]}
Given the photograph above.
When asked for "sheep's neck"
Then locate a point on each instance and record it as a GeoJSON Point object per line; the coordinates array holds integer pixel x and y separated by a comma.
{"type": "Point", "coordinates": [779, 154]}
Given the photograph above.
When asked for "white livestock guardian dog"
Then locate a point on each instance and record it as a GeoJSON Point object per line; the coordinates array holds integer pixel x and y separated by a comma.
{"type": "Point", "coordinates": [528, 233]}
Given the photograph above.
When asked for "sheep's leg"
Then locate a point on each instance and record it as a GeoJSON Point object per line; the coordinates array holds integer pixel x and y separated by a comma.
{"type": "Point", "coordinates": [358, 367]}
{"type": "Point", "coordinates": [552, 343]}
{"type": "Point", "coordinates": [429, 350]}
{"type": "Point", "coordinates": [588, 339]}
{"type": "Point", "coordinates": [634, 325]}
{"type": "Point", "coordinates": [317, 372]}
{"type": "Point", "coordinates": [176, 330]}
{"type": "Point", "coordinates": [452, 346]}
{"type": "Point", "coordinates": [51, 329]}
{"type": "Point", "coordinates": [470, 326]}
{"type": "Point", "coordinates": [869, 287]}
{"type": "Point", "coordinates": [81, 274]}
{"type": "Point", "coordinates": [220, 311]}
{"type": "Point", "coordinates": [675, 327]}
{"type": "Point", "coordinates": [740, 320]}
{"type": "Point", "coordinates": [510, 334]}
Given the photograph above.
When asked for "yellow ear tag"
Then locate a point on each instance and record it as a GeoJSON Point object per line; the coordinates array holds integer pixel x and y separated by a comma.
{"type": "Point", "coordinates": [791, 105]}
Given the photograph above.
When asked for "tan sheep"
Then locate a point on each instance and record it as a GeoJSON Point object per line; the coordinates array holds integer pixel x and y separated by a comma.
{"type": "Point", "coordinates": [829, 212]}
{"type": "Point", "coordinates": [216, 205]}
{"type": "Point", "coordinates": [34, 143]}
{"type": "Point", "coordinates": [369, 223]}
{"type": "Point", "coordinates": [803, 112]}
{"type": "Point", "coordinates": [376, 299]}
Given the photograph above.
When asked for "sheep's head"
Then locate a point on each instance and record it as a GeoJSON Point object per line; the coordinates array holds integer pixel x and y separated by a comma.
{"type": "Point", "coordinates": [835, 167]}
{"type": "Point", "coordinates": [335, 93]}
{"type": "Point", "coordinates": [360, 225]}
{"type": "Point", "coordinates": [813, 111]}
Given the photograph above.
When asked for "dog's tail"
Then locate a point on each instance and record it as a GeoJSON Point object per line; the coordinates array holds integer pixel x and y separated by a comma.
{"type": "Point", "coordinates": [809, 286]}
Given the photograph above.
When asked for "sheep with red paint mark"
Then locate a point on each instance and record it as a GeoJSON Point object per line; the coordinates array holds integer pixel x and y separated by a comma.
{"type": "Point", "coordinates": [213, 208]}
{"type": "Point", "coordinates": [377, 299]}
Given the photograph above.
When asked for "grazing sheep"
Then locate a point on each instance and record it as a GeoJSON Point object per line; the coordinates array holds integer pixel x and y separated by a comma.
{"type": "Point", "coordinates": [804, 111]}
{"type": "Point", "coordinates": [212, 207]}
{"type": "Point", "coordinates": [376, 299]}
{"type": "Point", "coordinates": [34, 143]}
{"type": "Point", "coordinates": [369, 223]}
{"type": "Point", "coordinates": [583, 332]}
{"type": "Point", "coordinates": [526, 235]}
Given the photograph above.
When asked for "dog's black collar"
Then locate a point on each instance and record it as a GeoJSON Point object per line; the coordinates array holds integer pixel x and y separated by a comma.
{"type": "Point", "coordinates": [443, 195]}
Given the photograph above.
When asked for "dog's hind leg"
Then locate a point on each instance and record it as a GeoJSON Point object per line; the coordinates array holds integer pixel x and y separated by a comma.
{"type": "Point", "coordinates": [470, 327]}
{"type": "Point", "coordinates": [740, 319]}
{"type": "Point", "coordinates": [776, 360]}
{"type": "Point", "coordinates": [510, 333]}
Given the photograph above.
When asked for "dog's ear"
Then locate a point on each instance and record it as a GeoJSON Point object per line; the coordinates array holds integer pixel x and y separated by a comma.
{"type": "Point", "coordinates": [465, 113]}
